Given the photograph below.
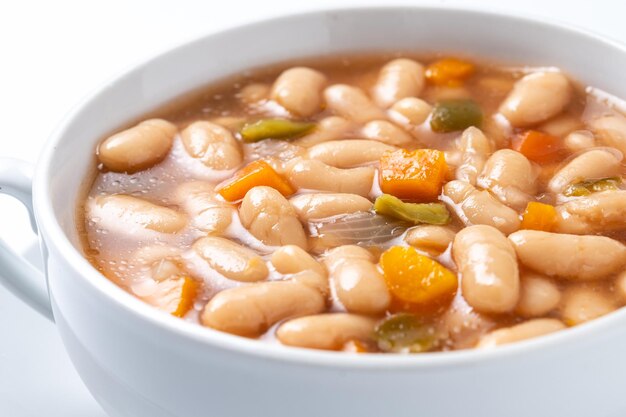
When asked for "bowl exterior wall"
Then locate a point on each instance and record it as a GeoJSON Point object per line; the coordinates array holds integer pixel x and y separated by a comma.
{"type": "Point", "coordinates": [137, 367]}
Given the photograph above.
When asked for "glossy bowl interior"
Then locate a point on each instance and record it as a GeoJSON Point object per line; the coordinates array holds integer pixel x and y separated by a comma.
{"type": "Point", "coordinates": [68, 157]}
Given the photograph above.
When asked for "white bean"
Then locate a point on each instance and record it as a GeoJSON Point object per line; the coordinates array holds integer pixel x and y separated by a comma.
{"type": "Point", "coordinates": [511, 177]}
{"type": "Point", "coordinates": [313, 280]}
{"type": "Point", "coordinates": [357, 282]}
{"type": "Point", "coordinates": [410, 111]}
{"type": "Point", "coordinates": [270, 218]}
{"type": "Point", "coordinates": [348, 153]}
{"type": "Point", "coordinates": [252, 309]}
{"type": "Point", "coordinates": [212, 144]}
{"type": "Point", "coordinates": [561, 125]}
{"type": "Point", "coordinates": [611, 131]}
{"type": "Point", "coordinates": [498, 131]}
{"type": "Point", "coordinates": [535, 98]}
{"type": "Point", "coordinates": [579, 140]}
{"type": "Point", "coordinates": [255, 92]}
{"type": "Point", "coordinates": [162, 260]}
{"type": "Point", "coordinates": [523, 331]}
{"type": "Point", "coordinates": [360, 288]}
{"type": "Point", "coordinates": [488, 267]}
{"type": "Point", "coordinates": [386, 132]}
{"type": "Point", "coordinates": [480, 207]}
{"type": "Point", "coordinates": [569, 256]}
{"type": "Point", "coordinates": [316, 175]}
{"type": "Point", "coordinates": [230, 259]}
{"type": "Point", "coordinates": [398, 79]}
{"type": "Point", "coordinates": [462, 325]}
{"type": "Point", "coordinates": [598, 213]}
{"type": "Point", "coordinates": [351, 103]}
{"type": "Point", "coordinates": [291, 259]}
{"type": "Point", "coordinates": [125, 214]}
{"type": "Point", "coordinates": [208, 213]}
{"type": "Point", "coordinates": [299, 90]}
{"type": "Point", "coordinates": [429, 238]}
{"type": "Point", "coordinates": [340, 254]}
{"type": "Point", "coordinates": [325, 331]}
{"type": "Point", "coordinates": [231, 123]}
{"type": "Point", "coordinates": [323, 205]}
{"type": "Point", "coordinates": [454, 158]}
{"type": "Point", "coordinates": [582, 304]}
{"type": "Point", "coordinates": [593, 164]}
{"type": "Point", "coordinates": [538, 296]}
{"type": "Point", "coordinates": [139, 147]}
{"type": "Point", "coordinates": [329, 128]}
{"type": "Point", "coordinates": [475, 149]}
{"type": "Point", "coordinates": [165, 269]}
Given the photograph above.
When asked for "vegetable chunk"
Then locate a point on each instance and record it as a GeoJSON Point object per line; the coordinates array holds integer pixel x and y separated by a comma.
{"type": "Point", "coordinates": [416, 279]}
{"type": "Point", "coordinates": [428, 213]}
{"type": "Point", "coordinates": [274, 129]}
{"type": "Point", "coordinates": [174, 295]}
{"type": "Point", "coordinates": [450, 72]}
{"type": "Point", "coordinates": [453, 115]}
{"type": "Point", "coordinates": [253, 175]}
{"type": "Point", "coordinates": [539, 147]}
{"type": "Point", "coordinates": [539, 216]}
{"type": "Point", "coordinates": [404, 332]}
{"type": "Point", "coordinates": [414, 175]}
{"type": "Point", "coordinates": [379, 204]}
{"type": "Point", "coordinates": [585, 188]}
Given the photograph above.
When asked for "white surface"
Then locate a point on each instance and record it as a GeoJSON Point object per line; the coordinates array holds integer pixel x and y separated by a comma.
{"type": "Point", "coordinates": [55, 52]}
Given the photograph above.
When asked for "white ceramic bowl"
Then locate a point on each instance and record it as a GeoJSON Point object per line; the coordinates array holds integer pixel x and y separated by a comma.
{"type": "Point", "coordinates": [139, 362]}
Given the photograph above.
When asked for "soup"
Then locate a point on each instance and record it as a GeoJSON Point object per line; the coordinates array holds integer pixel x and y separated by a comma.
{"type": "Point", "coordinates": [382, 204]}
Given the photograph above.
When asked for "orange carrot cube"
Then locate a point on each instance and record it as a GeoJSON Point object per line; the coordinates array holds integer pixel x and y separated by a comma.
{"type": "Point", "coordinates": [539, 216]}
{"type": "Point", "coordinates": [416, 279]}
{"type": "Point", "coordinates": [252, 175]}
{"type": "Point", "coordinates": [450, 72]}
{"type": "Point", "coordinates": [539, 147]}
{"type": "Point", "coordinates": [415, 175]}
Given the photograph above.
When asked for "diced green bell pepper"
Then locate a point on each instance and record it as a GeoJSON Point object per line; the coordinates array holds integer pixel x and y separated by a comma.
{"type": "Point", "coordinates": [274, 129]}
{"type": "Point", "coordinates": [453, 115]}
{"type": "Point", "coordinates": [422, 213]}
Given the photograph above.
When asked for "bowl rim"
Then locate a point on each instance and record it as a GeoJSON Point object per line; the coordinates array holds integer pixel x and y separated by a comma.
{"type": "Point", "coordinates": [51, 230]}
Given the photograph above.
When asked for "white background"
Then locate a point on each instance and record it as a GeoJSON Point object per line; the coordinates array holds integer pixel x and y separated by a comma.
{"type": "Point", "coordinates": [54, 52]}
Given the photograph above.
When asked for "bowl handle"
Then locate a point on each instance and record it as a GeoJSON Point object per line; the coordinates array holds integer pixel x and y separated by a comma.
{"type": "Point", "coordinates": [16, 273]}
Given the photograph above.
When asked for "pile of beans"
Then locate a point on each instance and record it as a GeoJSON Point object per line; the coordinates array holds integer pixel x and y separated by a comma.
{"type": "Point", "coordinates": [370, 204]}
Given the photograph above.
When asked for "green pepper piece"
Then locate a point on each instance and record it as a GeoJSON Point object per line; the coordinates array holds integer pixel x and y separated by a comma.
{"type": "Point", "coordinates": [453, 115]}
{"type": "Point", "coordinates": [588, 187]}
{"type": "Point", "coordinates": [429, 213]}
{"type": "Point", "coordinates": [576, 190]}
{"type": "Point", "coordinates": [404, 332]}
{"type": "Point", "coordinates": [274, 129]}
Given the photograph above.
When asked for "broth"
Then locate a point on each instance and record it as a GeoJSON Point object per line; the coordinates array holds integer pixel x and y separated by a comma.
{"type": "Point", "coordinates": [120, 245]}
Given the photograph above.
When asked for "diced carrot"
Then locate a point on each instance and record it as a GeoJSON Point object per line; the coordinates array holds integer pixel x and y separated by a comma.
{"type": "Point", "coordinates": [416, 279]}
{"type": "Point", "coordinates": [174, 295]}
{"type": "Point", "coordinates": [415, 175]}
{"type": "Point", "coordinates": [449, 72]}
{"type": "Point", "coordinates": [188, 294]}
{"type": "Point", "coordinates": [539, 216]}
{"type": "Point", "coordinates": [538, 146]}
{"type": "Point", "coordinates": [252, 175]}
